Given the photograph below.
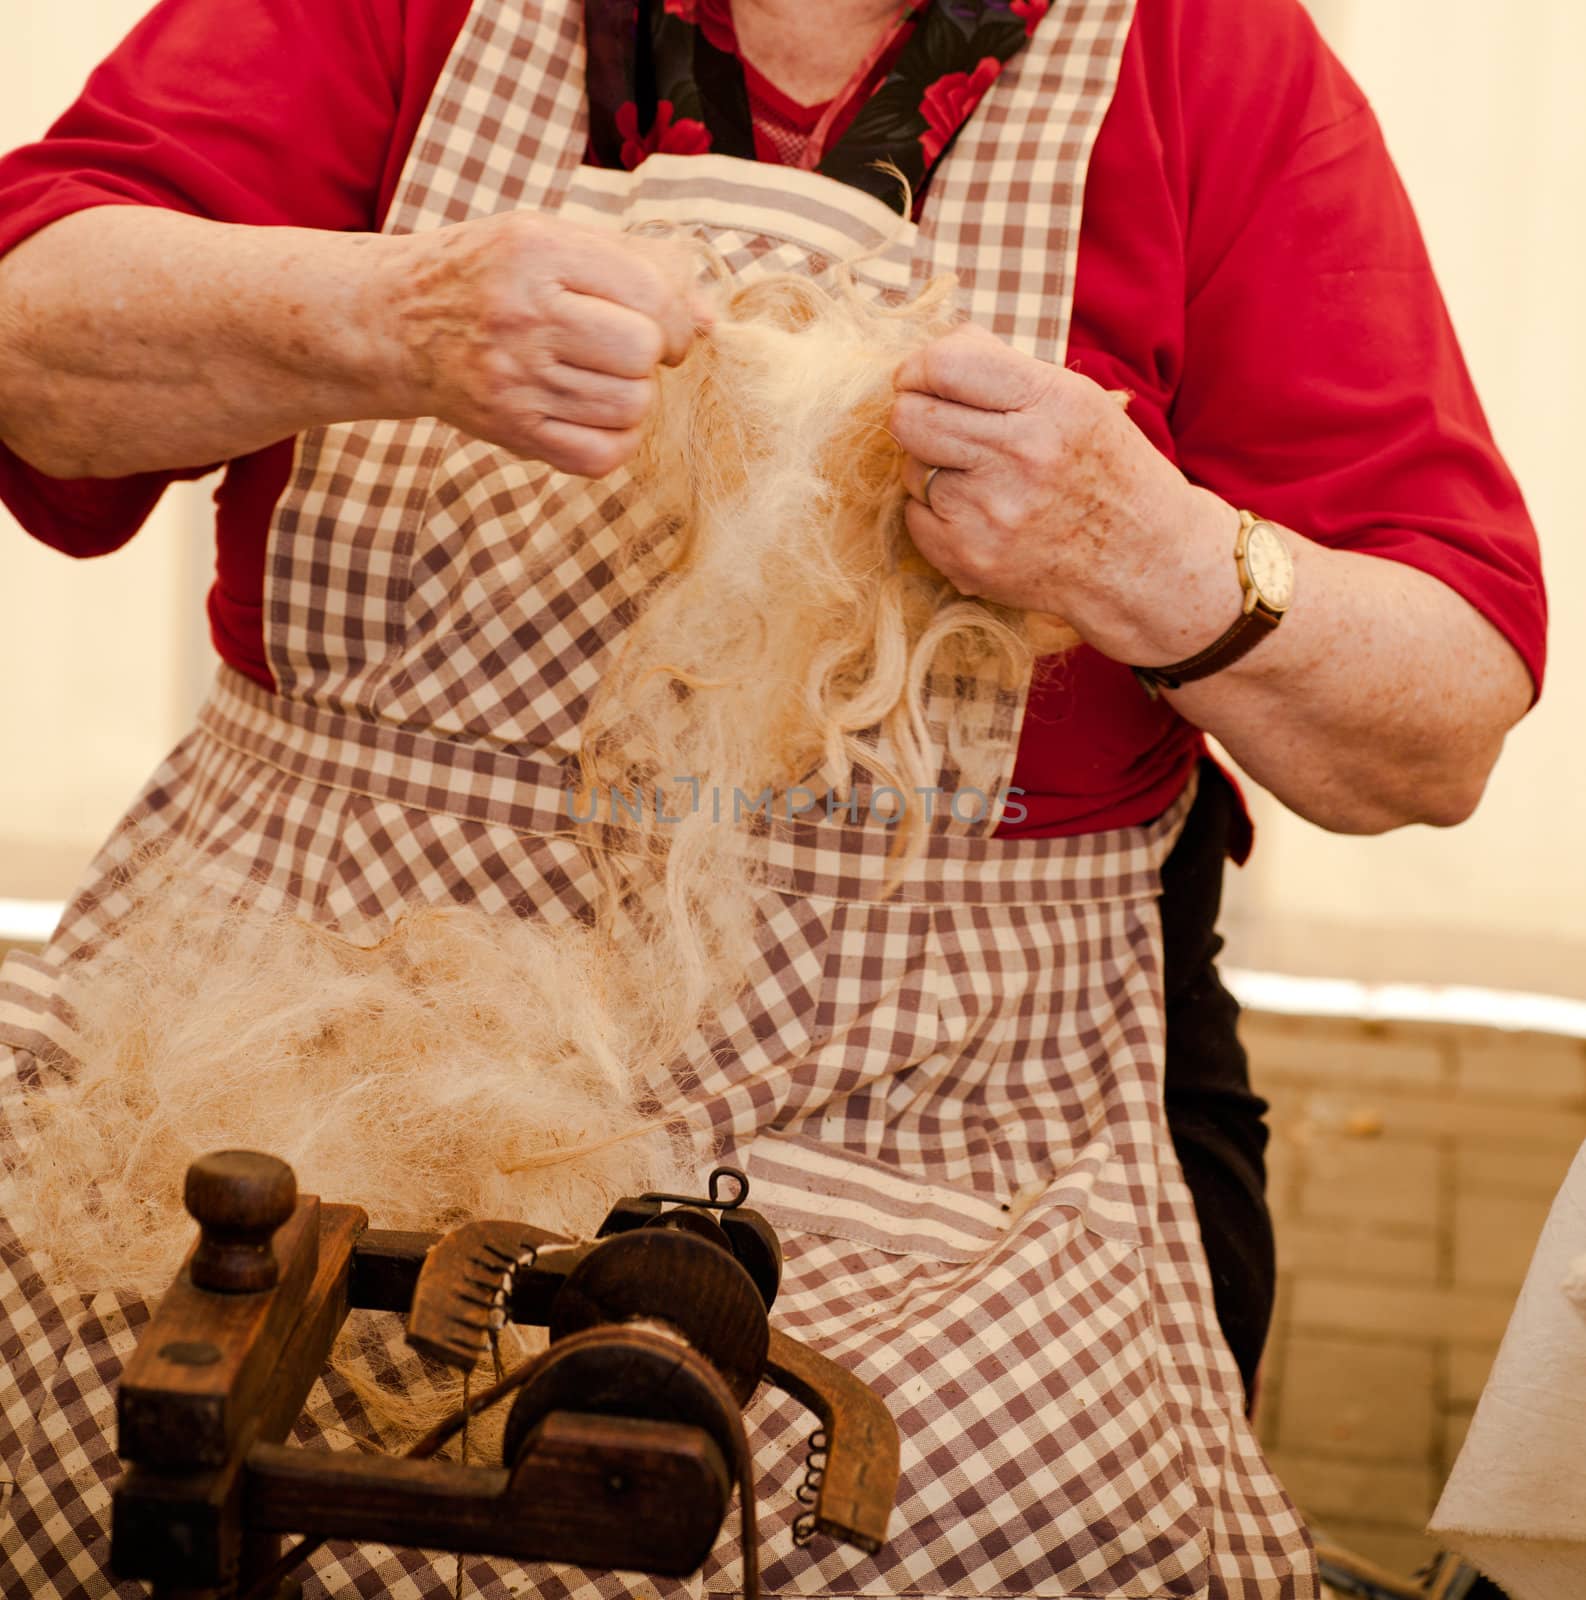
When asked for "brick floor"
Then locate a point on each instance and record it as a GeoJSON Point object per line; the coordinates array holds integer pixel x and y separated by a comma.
{"type": "Point", "coordinates": [1411, 1169]}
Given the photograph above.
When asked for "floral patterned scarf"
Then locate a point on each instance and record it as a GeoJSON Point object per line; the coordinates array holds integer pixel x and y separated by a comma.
{"type": "Point", "coordinates": [666, 76]}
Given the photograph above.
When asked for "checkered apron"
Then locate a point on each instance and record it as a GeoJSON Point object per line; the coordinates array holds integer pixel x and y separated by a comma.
{"type": "Point", "coordinates": [947, 1097]}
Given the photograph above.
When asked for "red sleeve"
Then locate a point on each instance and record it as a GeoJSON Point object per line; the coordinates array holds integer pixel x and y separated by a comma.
{"type": "Point", "coordinates": [1322, 383]}
{"type": "Point", "coordinates": [294, 112]}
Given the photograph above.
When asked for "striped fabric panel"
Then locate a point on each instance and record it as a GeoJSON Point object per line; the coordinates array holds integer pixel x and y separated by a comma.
{"type": "Point", "coordinates": [831, 1192]}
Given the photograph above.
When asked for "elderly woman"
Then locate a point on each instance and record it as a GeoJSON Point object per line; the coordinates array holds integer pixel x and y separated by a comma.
{"type": "Point", "coordinates": [363, 255]}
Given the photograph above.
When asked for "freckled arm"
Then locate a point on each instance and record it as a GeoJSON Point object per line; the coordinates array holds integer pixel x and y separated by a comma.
{"type": "Point", "coordinates": [134, 339]}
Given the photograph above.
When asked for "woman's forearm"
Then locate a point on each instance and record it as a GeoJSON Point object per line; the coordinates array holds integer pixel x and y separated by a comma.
{"type": "Point", "coordinates": [1382, 699]}
{"type": "Point", "coordinates": [133, 339]}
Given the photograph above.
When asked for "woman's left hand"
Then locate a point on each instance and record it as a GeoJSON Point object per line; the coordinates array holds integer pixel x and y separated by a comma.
{"type": "Point", "coordinates": [1050, 499]}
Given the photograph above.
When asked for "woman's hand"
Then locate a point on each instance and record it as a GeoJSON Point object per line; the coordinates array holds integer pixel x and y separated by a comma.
{"type": "Point", "coordinates": [1049, 499]}
{"type": "Point", "coordinates": [134, 339]}
{"type": "Point", "coordinates": [1382, 699]}
{"type": "Point", "coordinates": [540, 335]}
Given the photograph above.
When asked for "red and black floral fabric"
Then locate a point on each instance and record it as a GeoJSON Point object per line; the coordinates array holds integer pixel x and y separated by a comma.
{"type": "Point", "coordinates": [666, 76]}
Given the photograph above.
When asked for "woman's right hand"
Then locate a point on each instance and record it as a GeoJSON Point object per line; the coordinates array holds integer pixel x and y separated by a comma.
{"type": "Point", "coordinates": [539, 335]}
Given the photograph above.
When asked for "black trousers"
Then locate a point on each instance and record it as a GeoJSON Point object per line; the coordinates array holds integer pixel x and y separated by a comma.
{"type": "Point", "coordinates": [1218, 1125]}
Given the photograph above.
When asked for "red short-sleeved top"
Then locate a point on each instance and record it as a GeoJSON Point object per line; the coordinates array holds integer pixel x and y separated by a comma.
{"type": "Point", "coordinates": [1249, 269]}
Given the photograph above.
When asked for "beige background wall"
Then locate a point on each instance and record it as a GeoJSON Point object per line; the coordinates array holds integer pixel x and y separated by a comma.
{"type": "Point", "coordinates": [101, 662]}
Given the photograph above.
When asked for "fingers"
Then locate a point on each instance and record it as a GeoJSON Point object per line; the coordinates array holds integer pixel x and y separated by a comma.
{"type": "Point", "coordinates": [973, 368]}
{"type": "Point", "coordinates": [678, 265]}
{"type": "Point", "coordinates": [601, 336]}
{"type": "Point", "coordinates": [945, 433]}
{"type": "Point", "coordinates": [641, 280]}
{"type": "Point", "coordinates": [598, 399]}
{"type": "Point", "coordinates": [934, 539]}
{"type": "Point", "coordinates": [919, 483]}
{"type": "Point", "coordinates": [542, 336]}
{"type": "Point", "coordinates": [621, 312]}
{"type": "Point", "coordinates": [584, 452]}
{"type": "Point", "coordinates": [618, 312]}
{"type": "Point", "coordinates": [676, 319]}
{"type": "Point", "coordinates": [956, 439]}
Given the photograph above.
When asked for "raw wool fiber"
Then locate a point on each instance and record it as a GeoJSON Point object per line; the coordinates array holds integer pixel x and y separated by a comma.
{"type": "Point", "coordinates": [401, 1395]}
{"type": "Point", "coordinates": [465, 1066]}
{"type": "Point", "coordinates": [468, 1066]}
{"type": "Point", "coordinates": [792, 627]}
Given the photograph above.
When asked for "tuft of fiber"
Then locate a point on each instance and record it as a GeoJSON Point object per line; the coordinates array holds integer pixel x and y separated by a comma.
{"type": "Point", "coordinates": [464, 1067]}
{"type": "Point", "coordinates": [792, 632]}
{"type": "Point", "coordinates": [793, 626]}
{"type": "Point", "coordinates": [474, 1066]}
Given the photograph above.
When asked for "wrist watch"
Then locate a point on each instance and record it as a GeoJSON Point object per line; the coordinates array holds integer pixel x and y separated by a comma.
{"type": "Point", "coordinates": [1266, 576]}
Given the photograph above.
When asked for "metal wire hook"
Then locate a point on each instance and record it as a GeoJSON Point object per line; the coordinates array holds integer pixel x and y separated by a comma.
{"type": "Point", "coordinates": [713, 1198]}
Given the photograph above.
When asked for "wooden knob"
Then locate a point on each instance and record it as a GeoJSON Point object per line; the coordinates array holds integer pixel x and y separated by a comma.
{"type": "Point", "coordinates": [238, 1198]}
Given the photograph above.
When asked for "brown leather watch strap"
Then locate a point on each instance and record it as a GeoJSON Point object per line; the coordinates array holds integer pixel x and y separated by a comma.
{"type": "Point", "coordinates": [1250, 628]}
{"type": "Point", "coordinates": [1267, 597]}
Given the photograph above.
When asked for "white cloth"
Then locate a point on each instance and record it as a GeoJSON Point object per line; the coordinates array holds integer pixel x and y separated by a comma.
{"type": "Point", "coordinates": [1515, 1503]}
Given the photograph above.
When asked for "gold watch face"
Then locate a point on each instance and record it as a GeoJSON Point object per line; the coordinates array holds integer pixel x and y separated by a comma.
{"type": "Point", "coordinates": [1270, 566]}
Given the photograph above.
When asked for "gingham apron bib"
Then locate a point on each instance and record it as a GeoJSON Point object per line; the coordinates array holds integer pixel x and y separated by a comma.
{"type": "Point", "coordinates": [948, 1098]}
